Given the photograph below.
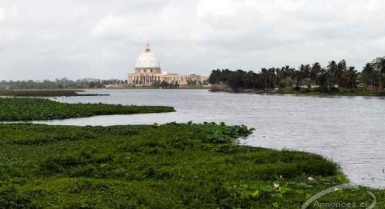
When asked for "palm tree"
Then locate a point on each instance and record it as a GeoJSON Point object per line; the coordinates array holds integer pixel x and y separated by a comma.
{"type": "Point", "coordinates": [315, 71]}
{"type": "Point", "coordinates": [352, 77]}
{"type": "Point", "coordinates": [265, 75]}
{"type": "Point", "coordinates": [332, 68]}
{"type": "Point", "coordinates": [340, 71]}
{"type": "Point", "coordinates": [271, 77]}
{"type": "Point", "coordinates": [381, 69]}
{"type": "Point", "coordinates": [367, 72]}
{"type": "Point", "coordinates": [376, 72]}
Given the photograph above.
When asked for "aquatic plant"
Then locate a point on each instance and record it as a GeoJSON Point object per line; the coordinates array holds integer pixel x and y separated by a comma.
{"type": "Point", "coordinates": [156, 166]}
{"type": "Point", "coordinates": [45, 93]}
{"type": "Point", "coordinates": [26, 109]}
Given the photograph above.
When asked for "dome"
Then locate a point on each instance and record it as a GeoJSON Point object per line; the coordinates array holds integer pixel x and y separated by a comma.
{"type": "Point", "coordinates": [147, 59]}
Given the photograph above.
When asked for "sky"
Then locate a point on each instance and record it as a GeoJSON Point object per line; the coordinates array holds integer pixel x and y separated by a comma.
{"type": "Point", "coordinates": [50, 39]}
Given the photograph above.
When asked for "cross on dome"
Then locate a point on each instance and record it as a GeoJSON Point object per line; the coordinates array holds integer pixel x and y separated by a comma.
{"type": "Point", "coordinates": [147, 59]}
{"type": "Point", "coordinates": [148, 48]}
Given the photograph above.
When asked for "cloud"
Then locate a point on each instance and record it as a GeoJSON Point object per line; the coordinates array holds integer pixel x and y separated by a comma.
{"type": "Point", "coordinates": [80, 11]}
{"type": "Point", "coordinates": [110, 24]}
{"type": "Point", "coordinates": [98, 39]}
{"type": "Point", "coordinates": [160, 25]}
{"type": "Point", "coordinates": [13, 12]}
{"type": "Point", "coordinates": [2, 14]}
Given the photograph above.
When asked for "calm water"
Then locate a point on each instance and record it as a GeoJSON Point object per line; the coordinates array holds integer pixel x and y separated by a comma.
{"type": "Point", "coordinates": [349, 130]}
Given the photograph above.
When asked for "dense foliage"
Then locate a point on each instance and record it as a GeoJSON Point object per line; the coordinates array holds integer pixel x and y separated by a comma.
{"type": "Point", "coordinates": [23, 109]}
{"type": "Point", "coordinates": [175, 85]}
{"type": "Point", "coordinates": [327, 79]}
{"type": "Point", "coordinates": [65, 83]}
{"type": "Point", "coordinates": [165, 85]}
{"type": "Point", "coordinates": [44, 93]}
{"type": "Point", "coordinates": [150, 166]}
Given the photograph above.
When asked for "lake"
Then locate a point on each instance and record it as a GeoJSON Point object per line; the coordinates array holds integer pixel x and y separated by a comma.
{"type": "Point", "coordinates": [348, 130]}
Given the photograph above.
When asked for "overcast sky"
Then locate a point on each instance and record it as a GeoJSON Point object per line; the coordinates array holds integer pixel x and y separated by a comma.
{"type": "Point", "coordinates": [49, 39]}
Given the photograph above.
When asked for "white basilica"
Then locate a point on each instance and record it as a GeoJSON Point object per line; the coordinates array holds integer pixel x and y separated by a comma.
{"type": "Point", "coordinates": [148, 71]}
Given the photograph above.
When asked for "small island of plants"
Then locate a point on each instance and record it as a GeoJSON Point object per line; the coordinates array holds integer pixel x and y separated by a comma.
{"type": "Point", "coordinates": [45, 93]}
{"type": "Point", "coordinates": [27, 109]}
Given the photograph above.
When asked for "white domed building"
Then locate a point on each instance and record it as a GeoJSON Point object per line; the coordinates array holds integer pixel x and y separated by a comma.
{"type": "Point", "coordinates": [147, 62]}
{"type": "Point", "coordinates": [148, 71]}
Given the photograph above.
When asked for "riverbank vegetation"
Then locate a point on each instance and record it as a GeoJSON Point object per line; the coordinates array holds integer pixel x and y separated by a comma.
{"type": "Point", "coordinates": [66, 84]}
{"type": "Point", "coordinates": [175, 85]}
{"type": "Point", "coordinates": [165, 85]}
{"type": "Point", "coordinates": [157, 166]}
{"type": "Point", "coordinates": [335, 78]}
{"type": "Point", "coordinates": [26, 109]}
{"type": "Point", "coordinates": [62, 83]}
{"type": "Point", "coordinates": [45, 93]}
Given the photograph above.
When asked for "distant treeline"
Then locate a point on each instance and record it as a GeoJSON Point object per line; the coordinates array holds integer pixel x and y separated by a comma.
{"type": "Point", "coordinates": [324, 79]}
{"type": "Point", "coordinates": [165, 85]}
{"type": "Point", "coordinates": [63, 83]}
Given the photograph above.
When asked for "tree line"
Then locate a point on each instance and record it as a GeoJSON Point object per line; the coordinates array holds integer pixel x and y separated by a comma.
{"type": "Point", "coordinates": [62, 83]}
{"type": "Point", "coordinates": [165, 85]}
{"type": "Point", "coordinates": [334, 76]}
{"type": "Point", "coordinates": [65, 83]}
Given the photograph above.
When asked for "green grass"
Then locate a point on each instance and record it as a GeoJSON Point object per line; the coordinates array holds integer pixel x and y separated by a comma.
{"type": "Point", "coordinates": [44, 93]}
{"type": "Point", "coordinates": [26, 109]}
{"type": "Point", "coordinates": [156, 166]}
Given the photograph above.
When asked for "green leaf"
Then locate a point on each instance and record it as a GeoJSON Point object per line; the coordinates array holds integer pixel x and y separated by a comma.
{"type": "Point", "coordinates": [267, 189]}
{"type": "Point", "coordinates": [103, 165]}
{"type": "Point", "coordinates": [302, 184]}
{"type": "Point", "coordinates": [256, 193]}
{"type": "Point", "coordinates": [283, 190]}
{"type": "Point", "coordinates": [343, 179]}
{"type": "Point", "coordinates": [300, 191]}
{"type": "Point", "coordinates": [275, 204]}
{"type": "Point", "coordinates": [279, 195]}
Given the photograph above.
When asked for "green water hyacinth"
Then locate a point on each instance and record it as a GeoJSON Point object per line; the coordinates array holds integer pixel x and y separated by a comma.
{"type": "Point", "coordinates": [45, 93]}
{"type": "Point", "coordinates": [158, 167]}
{"type": "Point", "coordinates": [28, 109]}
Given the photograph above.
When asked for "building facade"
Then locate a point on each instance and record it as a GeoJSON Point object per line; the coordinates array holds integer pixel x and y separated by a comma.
{"type": "Point", "coordinates": [147, 71]}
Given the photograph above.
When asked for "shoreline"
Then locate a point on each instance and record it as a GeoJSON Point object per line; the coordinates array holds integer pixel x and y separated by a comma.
{"type": "Point", "coordinates": [46, 93]}
{"type": "Point", "coordinates": [298, 93]}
